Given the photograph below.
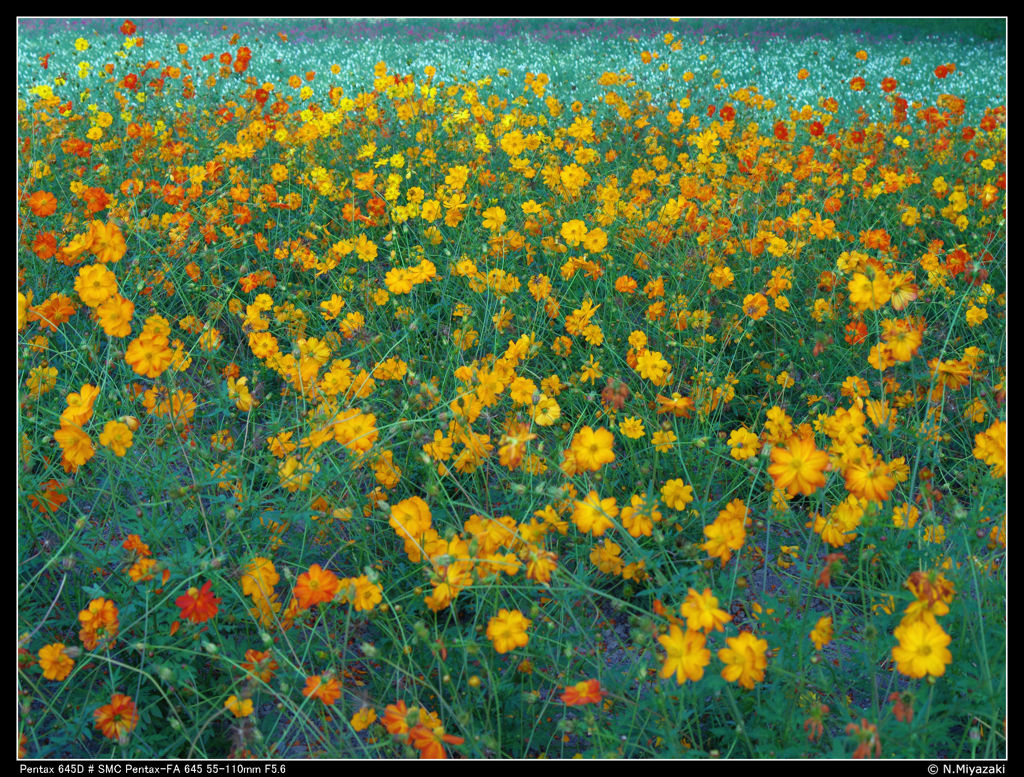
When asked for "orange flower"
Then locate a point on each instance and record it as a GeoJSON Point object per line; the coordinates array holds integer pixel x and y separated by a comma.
{"type": "Point", "coordinates": [755, 306]}
{"type": "Point", "coordinates": [678, 405]}
{"type": "Point", "coordinates": [799, 467]}
{"type": "Point", "coordinates": [43, 204]}
{"type": "Point", "coordinates": [429, 741]}
{"type": "Point", "coordinates": [260, 664]}
{"type": "Point", "coordinates": [584, 692]}
{"type": "Point", "coordinates": [115, 315]}
{"type": "Point", "coordinates": [867, 738]}
{"type": "Point", "coordinates": [903, 706]}
{"type": "Point", "coordinates": [117, 719]}
{"type": "Point", "coordinates": [107, 242]}
{"type": "Point", "coordinates": [327, 691]}
{"type": "Point", "coordinates": [50, 499]}
{"type": "Point", "coordinates": [395, 718]}
{"type": "Point", "coordinates": [814, 725]}
{"type": "Point", "coordinates": [316, 586]}
{"type": "Point", "coordinates": [833, 564]}
{"type": "Point", "coordinates": [99, 620]}
{"type": "Point", "coordinates": [52, 312]}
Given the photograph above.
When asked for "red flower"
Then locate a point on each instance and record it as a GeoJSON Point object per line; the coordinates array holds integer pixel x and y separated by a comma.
{"type": "Point", "coordinates": [728, 113]}
{"type": "Point", "coordinates": [128, 27]}
{"type": "Point", "coordinates": [585, 692]}
{"type": "Point", "coordinates": [941, 71]}
{"type": "Point", "coordinates": [780, 131]}
{"type": "Point", "coordinates": [198, 605]}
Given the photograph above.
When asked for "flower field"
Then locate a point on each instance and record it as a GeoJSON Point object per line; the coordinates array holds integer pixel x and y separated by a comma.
{"type": "Point", "coordinates": [495, 389]}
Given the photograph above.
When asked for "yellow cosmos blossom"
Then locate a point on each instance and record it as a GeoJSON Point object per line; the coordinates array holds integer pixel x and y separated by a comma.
{"type": "Point", "coordinates": [821, 634]}
{"type": "Point", "coordinates": [593, 515]}
{"type": "Point", "coordinates": [745, 659]}
{"type": "Point", "coordinates": [55, 661]}
{"type": "Point", "coordinates": [507, 630]}
{"type": "Point", "coordinates": [240, 708]}
{"type": "Point", "coordinates": [686, 654]}
{"type": "Point", "coordinates": [922, 648]}
{"type": "Point", "coordinates": [702, 613]}
{"type": "Point", "coordinates": [593, 448]}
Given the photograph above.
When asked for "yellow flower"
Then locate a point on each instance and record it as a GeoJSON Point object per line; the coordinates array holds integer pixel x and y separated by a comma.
{"type": "Point", "coordinates": [259, 578]}
{"type": "Point", "coordinates": [990, 447]}
{"type": "Point", "coordinates": [593, 449]}
{"type": "Point", "coordinates": [546, 411]}
{"type": "Point", "coordinates": [821, 634]}
{"type": "Point", "coordinates": [240, 708]}
{"type": "Point", "coordinates": [743, 444]}
{"type": "Point", "coordinates": [676, 494]}
{"type": "Point", "coordinates": [116, 436]}
{"type": "Point", "coordinates": [868, 477]}
{"type": "Point", "coordinates": [867, 293]}
{"type": "Point", "coordinates": [744, 659]}
{"type": "Point", "coordinates": [363, 718]}
{"type": "Point", "coordinates": [632, 427]}
{"type": "Point", "coordinates": [80, 404]}
{"type": "Point", "coordinates": [77, 446]}
{"type": "Point", "coordinates": [686, 654]}
{"type": "Point", "coordinates": [94, 284]}
{"type": "Point", "coordinates": [507, 630]}
{"type": "Point", "coordinates": [55, 661]}
{"type": "Point", "coordinates": [593, 515]}
{"type": "Point", "coordinates": [663, 441]}
{"type": "Point", "coordinates": [702, 613]}
{"type": "Point", "coordinates": [494, 218]}
{"type": "Point", "coordinates": [727, 533]}
{"type": "Point", "coordinates": [922, 649]}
